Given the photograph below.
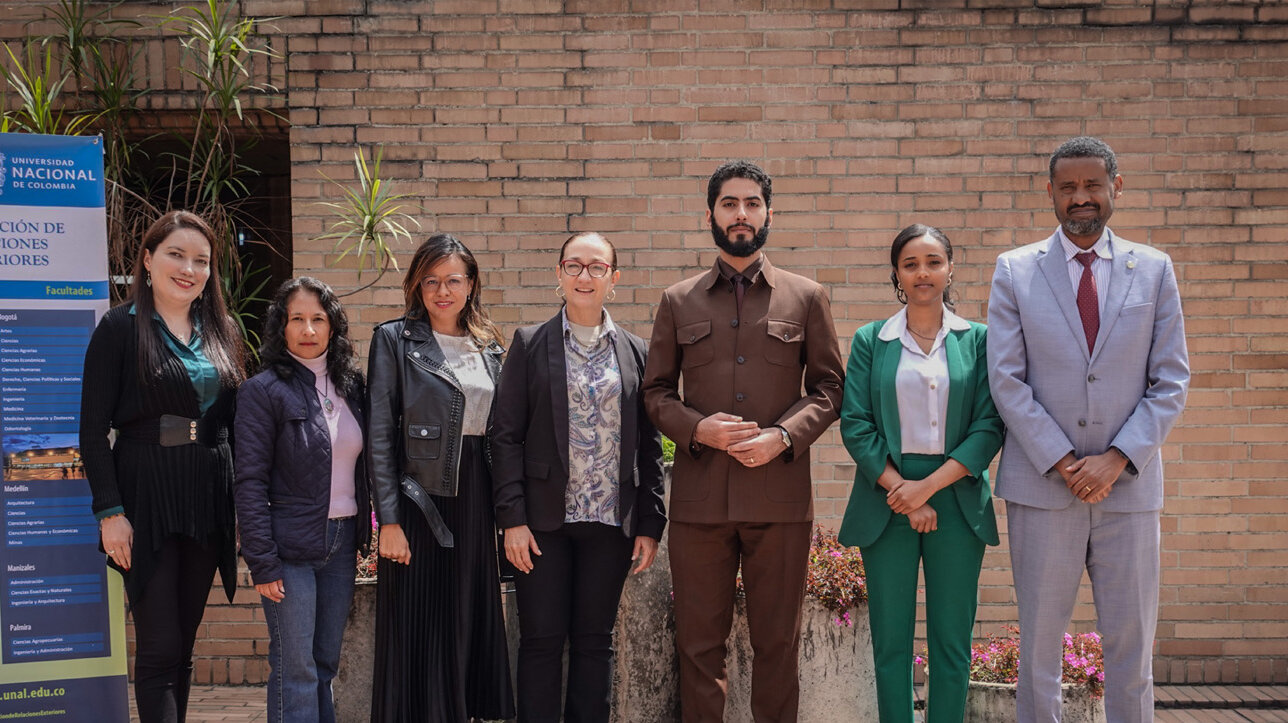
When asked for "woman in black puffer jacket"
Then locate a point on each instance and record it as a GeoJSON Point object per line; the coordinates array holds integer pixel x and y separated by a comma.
{"type": "Point", "coordinates": [301, 492]}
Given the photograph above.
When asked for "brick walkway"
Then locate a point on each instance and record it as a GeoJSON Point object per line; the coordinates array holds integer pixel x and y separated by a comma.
{"type": "Point", "coordinates": [1176, 704]}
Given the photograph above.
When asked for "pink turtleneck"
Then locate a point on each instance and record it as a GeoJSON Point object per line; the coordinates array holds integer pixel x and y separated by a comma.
{"type": "Point", "coordinates": [346, 439]}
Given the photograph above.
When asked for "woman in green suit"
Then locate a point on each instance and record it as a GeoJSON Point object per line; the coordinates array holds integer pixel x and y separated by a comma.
{"type": "Point", "coordinates": [920, 424]}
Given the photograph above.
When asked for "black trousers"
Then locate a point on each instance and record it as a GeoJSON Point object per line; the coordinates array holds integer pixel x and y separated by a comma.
{"type": "Point", "coordinates": [571, 595]}
{"type": "Point", "coordinates": [166, 619]}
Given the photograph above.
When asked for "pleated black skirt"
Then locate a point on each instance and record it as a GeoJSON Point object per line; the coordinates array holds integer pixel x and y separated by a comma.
{"type": "Point", "coordinates": [441, 652]}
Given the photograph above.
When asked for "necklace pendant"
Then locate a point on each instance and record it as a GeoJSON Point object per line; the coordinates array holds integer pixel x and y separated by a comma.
{"type": "Point", "coordinates": [328, 406]}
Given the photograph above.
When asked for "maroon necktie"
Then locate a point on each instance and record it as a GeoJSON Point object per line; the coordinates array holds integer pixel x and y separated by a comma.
{"type": "Point", "coordinates": [739, 288]}
{"type": "Point", "coordinates": [1088, 303]}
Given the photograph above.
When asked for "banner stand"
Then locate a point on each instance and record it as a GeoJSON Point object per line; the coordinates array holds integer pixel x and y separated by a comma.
{"type": "Point", "coordinates": [62, 616]}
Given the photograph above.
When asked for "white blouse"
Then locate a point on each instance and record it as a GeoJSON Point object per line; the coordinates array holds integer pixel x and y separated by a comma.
{"type": "Point", "coordinates": [921, 383]}
{"type": "Point", "coordinates": [466, 362]}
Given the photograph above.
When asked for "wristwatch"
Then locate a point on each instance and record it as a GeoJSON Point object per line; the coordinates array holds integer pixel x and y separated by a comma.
{"type": "Point", "coordinates": [787, 438]}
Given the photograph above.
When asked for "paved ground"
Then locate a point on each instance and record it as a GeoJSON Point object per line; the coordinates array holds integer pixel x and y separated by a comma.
{"type": "Point", "coordinates": [1221, 704]}
{"type": "Point", "coordinates": [1176, 704]}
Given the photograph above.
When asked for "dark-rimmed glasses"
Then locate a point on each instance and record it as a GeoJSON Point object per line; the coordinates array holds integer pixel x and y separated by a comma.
{"type": "Point", "coordinates": [596, 269]}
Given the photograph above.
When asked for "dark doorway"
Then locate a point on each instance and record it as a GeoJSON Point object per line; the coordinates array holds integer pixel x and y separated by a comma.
{"type": "Point", "coordinates": [260, 196]}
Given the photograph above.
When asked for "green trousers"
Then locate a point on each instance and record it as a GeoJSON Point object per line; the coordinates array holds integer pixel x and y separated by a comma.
{"type": "Point", "coordinates": [951, 557]}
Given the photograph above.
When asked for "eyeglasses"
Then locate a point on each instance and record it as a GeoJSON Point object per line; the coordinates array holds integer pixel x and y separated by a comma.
{"type": "Point", "coordinates": [455, 283]}
{"type": "Point", "coordinates": [597, 269]}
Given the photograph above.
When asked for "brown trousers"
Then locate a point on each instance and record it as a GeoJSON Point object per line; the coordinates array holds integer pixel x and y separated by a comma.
{"type": "Point", "coordinates": [705, 559]}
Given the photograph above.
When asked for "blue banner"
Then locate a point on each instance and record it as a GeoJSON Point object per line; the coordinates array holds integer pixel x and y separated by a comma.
{"type": "Point", "coordinates": [62, 637]}
{"type": "Point", "coordinates": [37, 172]}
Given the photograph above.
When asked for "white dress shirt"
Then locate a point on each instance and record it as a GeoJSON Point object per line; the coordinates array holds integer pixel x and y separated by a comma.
{"type": "Point", "coordinates": [921, 383]}
{"type": "Point", "coordinates": [1100, 271]}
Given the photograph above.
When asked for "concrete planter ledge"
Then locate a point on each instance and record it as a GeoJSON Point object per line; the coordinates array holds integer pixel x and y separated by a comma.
{"type": "Point", "coordinates": [836, 669]}
{"type": "Point", "coordinates": [995, 703]}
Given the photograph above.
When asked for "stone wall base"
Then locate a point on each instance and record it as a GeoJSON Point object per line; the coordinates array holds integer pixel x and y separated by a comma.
{"type": "Point", "coordinates": [836, 669]}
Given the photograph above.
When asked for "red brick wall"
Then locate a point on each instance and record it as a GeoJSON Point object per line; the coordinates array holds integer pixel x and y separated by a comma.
{"type": "Point", "coordinates": [515, 122]}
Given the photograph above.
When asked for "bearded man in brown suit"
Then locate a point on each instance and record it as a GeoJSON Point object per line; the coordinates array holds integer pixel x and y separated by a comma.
{"type": "Point", "coordinates": [742, 339]}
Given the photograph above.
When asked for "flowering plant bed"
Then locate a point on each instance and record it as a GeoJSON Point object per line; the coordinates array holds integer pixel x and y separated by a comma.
{"type": "Point", "coordinates": [997, 660]}
{"type": "Point", "coordinates": [836, 575]}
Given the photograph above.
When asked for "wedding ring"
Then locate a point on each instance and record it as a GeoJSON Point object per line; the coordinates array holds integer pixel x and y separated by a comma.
{"type": "Point", "coordinates": [751, 460]}
{"type": "Point", "coordinates": [111, 552]}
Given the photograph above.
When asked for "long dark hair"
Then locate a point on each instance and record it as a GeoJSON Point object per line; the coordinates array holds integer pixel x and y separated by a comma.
{"type": "Point", "coordinates": [473, 320]}
{"type": "Point", "coordinates": [221, 342]}
{"type": "Point", "coordinates": [341, 359]}
{"type": "Point", "coordinates": [917, 230]}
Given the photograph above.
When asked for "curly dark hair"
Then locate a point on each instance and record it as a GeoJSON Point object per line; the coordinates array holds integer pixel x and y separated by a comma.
{"type": "Point", "coordinates": [1085, 147]}
{"type": "Point", "coordinates": [738, 169]}
{"type": "Point", "coordinates": [341, 358]}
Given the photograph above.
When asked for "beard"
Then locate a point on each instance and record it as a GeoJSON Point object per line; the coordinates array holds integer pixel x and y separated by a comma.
{"type": "Point", "coordinates": [1083, 227]}
{"type": "Point", "coordinates": [739, 249]}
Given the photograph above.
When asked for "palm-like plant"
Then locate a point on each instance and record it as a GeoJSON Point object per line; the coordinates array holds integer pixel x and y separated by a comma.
{"type": "Point", "coordinates": [216, 39]}
{"type": "Point", "coordinates": [369, 221]}
{"type": "Point", "coordinates": [88, 80]}
{"type": "Point", "coordinates": [38, 87]}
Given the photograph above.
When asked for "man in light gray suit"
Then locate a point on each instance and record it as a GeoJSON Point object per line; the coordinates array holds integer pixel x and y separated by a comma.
{"type": "Point", "coordinates": [1088, 368]}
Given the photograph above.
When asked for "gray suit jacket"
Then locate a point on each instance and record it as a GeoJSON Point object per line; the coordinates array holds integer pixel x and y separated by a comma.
{"type": "Point", "coordinates": [1055, 396]}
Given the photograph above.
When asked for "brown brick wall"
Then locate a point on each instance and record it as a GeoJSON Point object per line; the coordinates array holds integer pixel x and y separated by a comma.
{"type": "Point", "coordinates": [516, 122]}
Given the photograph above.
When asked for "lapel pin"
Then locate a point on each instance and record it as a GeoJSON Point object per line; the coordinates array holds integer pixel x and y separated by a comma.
{"type": "Point", "coordinates": [1131, 263]}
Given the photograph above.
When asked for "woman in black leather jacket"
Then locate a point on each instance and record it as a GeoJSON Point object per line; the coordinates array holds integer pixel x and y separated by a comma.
{"type": "Point", "coordinates": [440, 638]}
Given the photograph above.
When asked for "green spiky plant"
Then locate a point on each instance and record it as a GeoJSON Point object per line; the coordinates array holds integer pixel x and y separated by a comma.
{"type": "Point", "coordinates": [39, 87]}
{"type": "Point", "coordinates": [88, 82]}
{"type": "Point", "coordinates": [369, 221]}
{"type": "Point", "coordinates": [208, 175]}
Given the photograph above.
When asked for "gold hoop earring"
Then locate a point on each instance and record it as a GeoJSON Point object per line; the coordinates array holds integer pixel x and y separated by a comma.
{"type": "Point", "coordinates": [559, 291]}
{"type": "Point", "coordinates": [612, 294]}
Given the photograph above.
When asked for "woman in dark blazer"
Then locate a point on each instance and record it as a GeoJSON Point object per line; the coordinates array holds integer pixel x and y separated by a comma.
{"type": "Point", "coordinates": [162, 370]}
{"type": "Point", "coordinates": [301, 492]}
{"type": "Point", "coordinates": [577, 469]}
{"type": "Point", "coordinates": [441, 653]}
{"type": "Point", "coordinates": [921, 426]}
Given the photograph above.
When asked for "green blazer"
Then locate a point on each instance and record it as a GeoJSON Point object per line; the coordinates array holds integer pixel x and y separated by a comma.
{"type": "Point", "coordinates": [870, 429]}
